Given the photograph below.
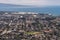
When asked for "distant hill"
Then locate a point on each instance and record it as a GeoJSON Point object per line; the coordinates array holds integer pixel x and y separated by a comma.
{"type": "Point", "coordinates": [12, 5]}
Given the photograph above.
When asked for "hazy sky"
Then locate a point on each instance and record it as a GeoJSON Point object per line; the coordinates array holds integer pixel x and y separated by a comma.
{"type": "Point", "coordinates": [32, 2]}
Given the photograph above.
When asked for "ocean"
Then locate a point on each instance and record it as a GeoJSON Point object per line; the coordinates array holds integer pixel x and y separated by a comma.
{"type": "Point", "coordinates": [55, 10]}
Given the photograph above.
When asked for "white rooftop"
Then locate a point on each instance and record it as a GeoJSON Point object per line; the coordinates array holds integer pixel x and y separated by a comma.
{"type": "Point", "coordinates": [26, 13]}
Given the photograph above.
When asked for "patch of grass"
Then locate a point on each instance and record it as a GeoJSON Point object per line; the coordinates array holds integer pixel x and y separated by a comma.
{"type": "Point", "coordinates": [32, 33]}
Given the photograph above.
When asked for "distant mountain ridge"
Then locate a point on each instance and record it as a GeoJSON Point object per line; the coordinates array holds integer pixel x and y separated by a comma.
{"type": "Point", "coordinates": [12, 5]}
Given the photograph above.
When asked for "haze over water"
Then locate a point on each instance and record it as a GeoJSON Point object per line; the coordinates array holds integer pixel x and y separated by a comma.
{"type": "Point", "coordinates": [43, 6]}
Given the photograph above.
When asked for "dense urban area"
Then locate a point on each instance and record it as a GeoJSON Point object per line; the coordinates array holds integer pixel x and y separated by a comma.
{"type": "Point", "coordinates": [29, 26]}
